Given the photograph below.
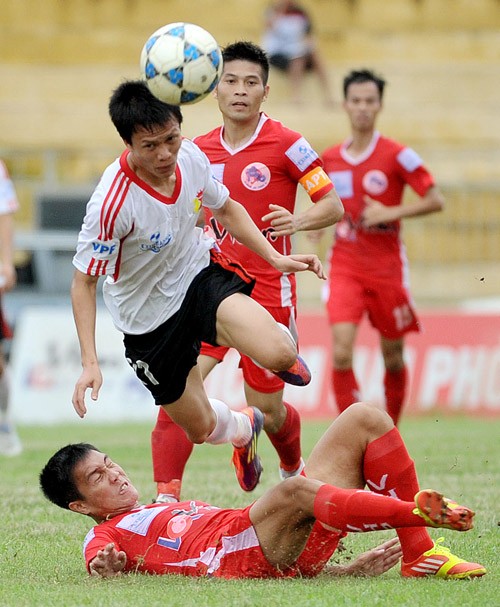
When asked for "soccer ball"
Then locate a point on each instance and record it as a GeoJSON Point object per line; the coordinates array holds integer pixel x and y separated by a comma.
{"type": "Point", "coordinates": [181, 63]}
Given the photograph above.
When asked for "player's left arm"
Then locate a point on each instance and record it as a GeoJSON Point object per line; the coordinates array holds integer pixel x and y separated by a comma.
{"type": "Point", "coordinates": [375, 212]}
{"type": "Point", "coordinates": [370, 563]}
{"type": "Point", "coordinates": [325, 212]}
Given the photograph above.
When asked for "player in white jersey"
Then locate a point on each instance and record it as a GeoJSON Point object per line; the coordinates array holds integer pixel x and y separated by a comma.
{"type": "Point", "coordinates": [166, 287]}
{"type": "Point", "coordinates": [262, 163]}
{"type": "Point", "coordinates": [9, 440]}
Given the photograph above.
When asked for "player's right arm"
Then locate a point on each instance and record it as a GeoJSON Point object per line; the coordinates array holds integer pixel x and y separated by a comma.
{"type": "Point", "coordinates": [324, 213]}
{"type": "Point", "coordinates": [83, 300]}
{"type": "Point", "coordinates": [235, 218]}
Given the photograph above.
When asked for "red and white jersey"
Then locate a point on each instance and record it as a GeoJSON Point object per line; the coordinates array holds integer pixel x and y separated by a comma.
{"type": "Point", "coordinates": [265, 170]}
{"type": "Point", "coordinates": [145, 243]}
{"type": "Point", "coordinates": [8, 198]}
{"type": "Point", "coordinates": [181, 538]}
{"type": "Point", "coordinates": [195, 539]}
{"type": "Point", "coordinates": [380, 173]}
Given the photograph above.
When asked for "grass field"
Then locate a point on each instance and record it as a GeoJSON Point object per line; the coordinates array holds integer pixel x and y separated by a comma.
{"type": "Point", "coordinates": [40, 545]}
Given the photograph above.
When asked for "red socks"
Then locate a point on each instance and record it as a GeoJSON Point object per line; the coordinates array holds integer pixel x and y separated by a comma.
{"type": "Point", "coordinates": [395, 390]}
{"type": "Point", "coordinates": [387, 465]}
{"type": "Point", "coordinates": [171, 449]}
{"type": "Point", "coordinates": [287, 440]}
{"type": "Point", "coordinates": [358, 511]}
{"type": "Point", "coordinates": [345, 388]}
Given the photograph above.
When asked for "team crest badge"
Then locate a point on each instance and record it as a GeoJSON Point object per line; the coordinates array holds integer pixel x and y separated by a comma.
{"type": "Point", "coordinates": [375, 182]}
{"type": "Point", "coordinates": [255, 176]}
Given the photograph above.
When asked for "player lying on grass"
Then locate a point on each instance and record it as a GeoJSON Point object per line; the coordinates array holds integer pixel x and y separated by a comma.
{"type": "Point", "coordinates": [292, 530]}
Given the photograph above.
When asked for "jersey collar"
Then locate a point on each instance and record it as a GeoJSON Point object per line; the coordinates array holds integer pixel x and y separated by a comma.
{"type": "Point", "coordinates": [262, 120]}
{"type": "Point", "coordinates": [362, 157]}
{"type": "Point", "coordinates": [148, 188]}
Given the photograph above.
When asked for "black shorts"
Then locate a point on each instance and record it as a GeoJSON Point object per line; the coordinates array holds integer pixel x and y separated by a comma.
{"type": "Point", "coordinates": [163, 358]}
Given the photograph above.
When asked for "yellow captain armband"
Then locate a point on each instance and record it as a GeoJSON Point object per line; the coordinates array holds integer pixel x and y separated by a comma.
{"type": "Point", "coordinates": [314, 181]}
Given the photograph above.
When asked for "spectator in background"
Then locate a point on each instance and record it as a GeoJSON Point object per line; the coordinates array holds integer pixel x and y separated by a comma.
{"type": "Point", "coordinates": [368, 265]}
{"type": "Point", "coordinates": [9, 441]}
{"type": "Point", "coordinates": [290, 44]}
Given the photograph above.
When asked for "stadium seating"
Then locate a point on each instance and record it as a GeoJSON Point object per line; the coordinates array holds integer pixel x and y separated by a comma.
{"type": "Point", "coordinates": [441, 61]}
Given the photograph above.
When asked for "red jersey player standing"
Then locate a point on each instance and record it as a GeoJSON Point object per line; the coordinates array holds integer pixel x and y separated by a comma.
{"type": "Point", "coordinates": [261, 162]}
{"type": "Point", "coordinates": [368, 265]}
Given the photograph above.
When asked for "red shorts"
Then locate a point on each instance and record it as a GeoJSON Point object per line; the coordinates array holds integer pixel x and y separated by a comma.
{"type": "Point", "coordinates": [241, 555]}
{"type": "Point", "coordinates": [256, 377]}
{"type": "Point", "coordinates": [387, 303]}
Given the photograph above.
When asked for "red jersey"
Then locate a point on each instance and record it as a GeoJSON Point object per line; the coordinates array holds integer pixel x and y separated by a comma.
{"type": "Point", "coordinates": [265, 170]}
{"type": "Point", "coordinates": [381, 172]}
{"type": "Point", "coordinates": [196, 539]}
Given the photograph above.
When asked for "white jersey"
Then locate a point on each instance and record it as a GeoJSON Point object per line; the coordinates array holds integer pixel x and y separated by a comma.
{"type": "Point", "coordinates": [8, 198]}
{"type": "Point", "coordinates": [147, 244]}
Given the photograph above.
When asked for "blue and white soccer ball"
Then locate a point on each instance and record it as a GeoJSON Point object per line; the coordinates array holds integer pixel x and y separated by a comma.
{"type": "Point", "coordinates": [181, 63]}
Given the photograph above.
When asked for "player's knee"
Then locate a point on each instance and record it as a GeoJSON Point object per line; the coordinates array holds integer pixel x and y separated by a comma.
{"type": "Point", "coordinates": [275, 418]}
{"type": "Point", "coordinates": [297, 493]}
{"type": "Point", "coordinates": [369, 418]}
{"type": "Point", "coordinates": [393, 355]}
{"type": "Point", "coordinates": [199, 434]}
{"type": "Point", "coordinates": [198, 438]}
{"type": "Point", "coordinates": [282, 356]}
{"type": "Point", "coordinates": [342, 357]}
{"type": "Point", "coordinates": [394, 364]}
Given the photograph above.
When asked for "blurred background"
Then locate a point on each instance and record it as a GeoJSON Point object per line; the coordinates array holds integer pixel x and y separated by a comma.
{"type": "Point", "coordinates": [59, 62]}
{"type": "Point", "coordinates": [60, 59]}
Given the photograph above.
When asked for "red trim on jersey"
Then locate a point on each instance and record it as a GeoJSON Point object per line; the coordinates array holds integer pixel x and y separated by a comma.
{"type": "Point", "coordinates": [111, 206]}
{"type": "Point", "coordinates": [145, 186]}
{"type": "Point", "coordinates": [113, 202]}
{"type": "Point", "coordinates": [119, 258]}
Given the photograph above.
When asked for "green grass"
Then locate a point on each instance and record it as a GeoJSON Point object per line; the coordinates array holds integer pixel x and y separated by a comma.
{"type": "Point", "coordinates": [40, 545]}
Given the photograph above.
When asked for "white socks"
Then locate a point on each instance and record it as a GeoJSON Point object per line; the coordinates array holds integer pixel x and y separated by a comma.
{"type": "Point", "coordinates": [231, 426]}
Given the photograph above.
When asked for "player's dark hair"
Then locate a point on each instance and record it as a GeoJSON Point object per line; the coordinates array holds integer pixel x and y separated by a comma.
{"type": "Point", "coordinates": [247, 51]}
{"type": "Point", "coordinates": [360, 76]}
{"type": "Point", "coordinates": [133, 106]}
{"type": "Point", "coordinates": [57, 478]}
